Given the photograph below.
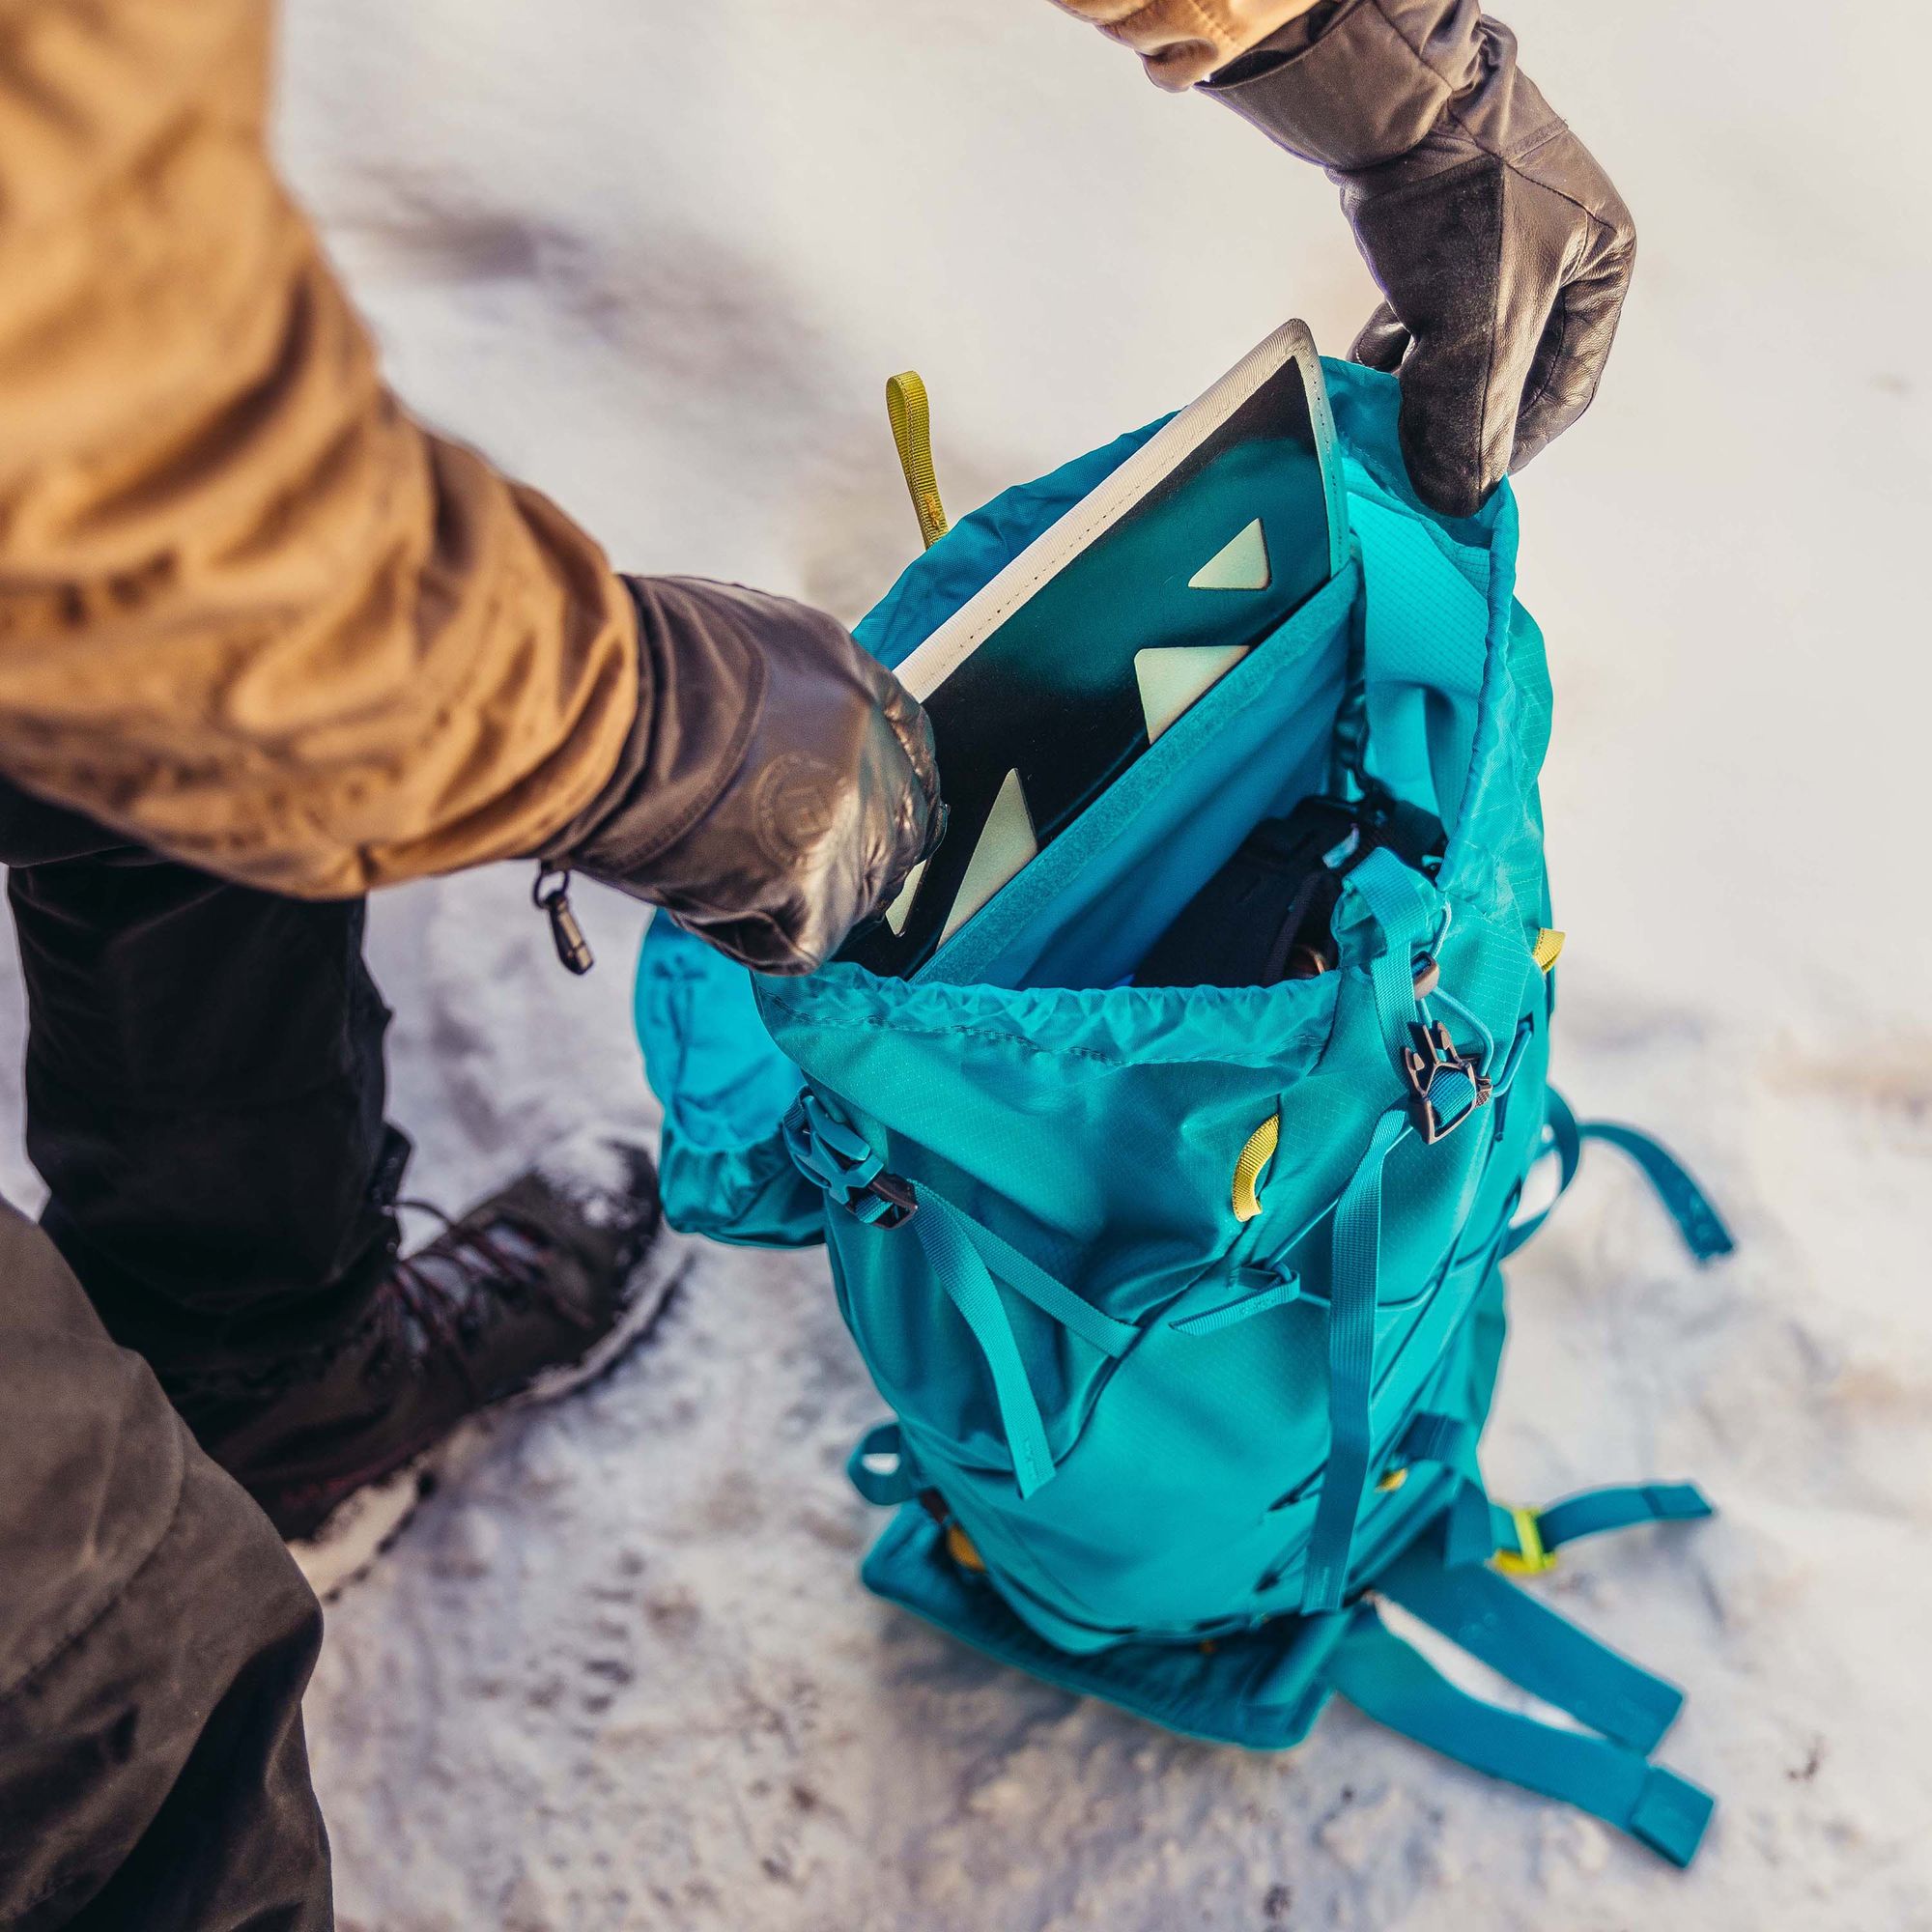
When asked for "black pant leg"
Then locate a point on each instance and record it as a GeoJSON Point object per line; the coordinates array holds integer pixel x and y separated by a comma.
{"type": "Point", "coordinates": [154, 1642]}
{"type": "Point", "coordinates": [205, 1092]}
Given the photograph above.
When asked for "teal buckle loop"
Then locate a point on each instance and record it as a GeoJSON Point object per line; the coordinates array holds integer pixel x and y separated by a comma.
{"type": "Point", "coordinates": [1468, 1525]}
{"type": "Point", "coordinates": [840, 1160]}
{"type": "Point", "coordinates": [1564, 1139]}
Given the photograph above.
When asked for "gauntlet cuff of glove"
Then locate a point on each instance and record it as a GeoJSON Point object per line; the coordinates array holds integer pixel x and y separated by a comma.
{"type": "Point", "coordinates": [1422, 81]}
{"type": "Point", "coordinates": [777, 784]}
{"type": "Point", "coordinates": [700, 687]}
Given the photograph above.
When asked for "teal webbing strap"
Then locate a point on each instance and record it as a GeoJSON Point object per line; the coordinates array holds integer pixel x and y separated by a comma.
{"type": "Point", "coordinates": [1535, 1648]}
{"type": "Point", "coordinates": [1686, 1203]}
{"type": "Point", "coordinates": [965, 1278]}
{"type": "Point", "coordinates": [1397, 901]}
{"type": "Point", "coordinates": [1469, 1533]}
{"type": "Point", "coordinates": [1454, 1096]}
{"type": "Point", "coordinates": [1386, 1680]}
{"type": "Point", "coordinates": [1276, 1288]}
{"type": "Point", "coordinates": [839, 1159]}
{"type": "Point", "coordinates": [1474, 1530]}
{"type": "Point", "coordinates": [1356, 1263]}
{"type": "Point", "coordinates": [1560, 1137]}
{"type": "Point", "coordinates": [1448, 1440]}
{"type": "Point", "coordinates": [965, 1256]}
{"type": "Point", "coordinates": [1486, 1049]}
{"type": "Point", "coordinates": [865, 1469]}
{"type": "Point", "coordinates": [970, 1260]}
{"type": "Point", "coordinates": [1594, 1512]}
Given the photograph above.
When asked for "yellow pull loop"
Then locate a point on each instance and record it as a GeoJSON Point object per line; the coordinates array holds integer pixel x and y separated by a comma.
{"type": "Point", "coordinates": [911, 418]}
{"type": "Point", "coordinates": [1253, 1162]}
{"type": "Point", "coordinates": [1549, 944]}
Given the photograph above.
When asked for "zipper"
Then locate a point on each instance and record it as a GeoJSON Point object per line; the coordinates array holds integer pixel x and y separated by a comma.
{"type": "Point", "coordinates": [549, 893]}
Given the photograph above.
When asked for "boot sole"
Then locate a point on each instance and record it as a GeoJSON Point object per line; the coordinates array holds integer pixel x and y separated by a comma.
{"type": "Point", "coordinates": [363, 1525]}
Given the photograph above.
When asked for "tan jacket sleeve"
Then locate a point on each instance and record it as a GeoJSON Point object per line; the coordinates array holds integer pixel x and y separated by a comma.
{"type": "Point", "coordinates": [1182, 42]}
{"type": "Point", "coordinates": [251, 613]}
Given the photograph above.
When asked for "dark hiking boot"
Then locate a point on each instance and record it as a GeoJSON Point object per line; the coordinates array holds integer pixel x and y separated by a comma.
{"type": "Point", "coordinates": [530, 1295]}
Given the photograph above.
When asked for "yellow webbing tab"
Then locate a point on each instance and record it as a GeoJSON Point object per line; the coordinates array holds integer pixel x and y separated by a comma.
{"type": "Point", "coordinates": [1528, 1559]}
{"type": "Point", "coordinates": [1549, 944]}
{"type": "Point", "coordinates": [911, 418]}
{"type": "Point", "coordinates": [959, 1547]}
{"type": "Point", "coordinates": [1253, 1161]}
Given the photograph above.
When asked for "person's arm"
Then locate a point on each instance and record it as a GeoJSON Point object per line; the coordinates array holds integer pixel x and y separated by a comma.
{"type": "Point", "coordinates": [1182, 42]}
{"type": "Point", "coordinates": [254, 616]}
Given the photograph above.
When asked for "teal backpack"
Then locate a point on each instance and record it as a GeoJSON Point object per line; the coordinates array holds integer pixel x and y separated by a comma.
{"type": "Point", "coordinates": [1188, 1303]}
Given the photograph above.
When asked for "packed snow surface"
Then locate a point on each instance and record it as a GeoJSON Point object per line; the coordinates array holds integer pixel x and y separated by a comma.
{"type": "Point", "coordinates": [620, 1675]}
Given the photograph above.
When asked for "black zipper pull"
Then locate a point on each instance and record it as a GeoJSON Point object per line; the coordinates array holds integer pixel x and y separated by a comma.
{"type": "Point", "coordinates": [550, 896]}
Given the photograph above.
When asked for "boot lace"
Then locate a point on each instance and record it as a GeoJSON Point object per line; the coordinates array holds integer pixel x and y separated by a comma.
{"type": "Point", "coordinates": [451, 1301]}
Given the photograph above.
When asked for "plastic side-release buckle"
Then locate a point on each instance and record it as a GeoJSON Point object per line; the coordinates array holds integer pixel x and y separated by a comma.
{"type": "Point", "coordinates": [898, 1204]}
{"type": "Point", "coordinates": [1438, 1058]}
{"type": "Point", "coordinates": [841, 1162]}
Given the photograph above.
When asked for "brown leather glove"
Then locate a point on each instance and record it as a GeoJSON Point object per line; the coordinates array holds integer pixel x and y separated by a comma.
{"type": "Point", "coordinates": [778, 784]}
{"type": "Point", "coordinates": [1502, 249]}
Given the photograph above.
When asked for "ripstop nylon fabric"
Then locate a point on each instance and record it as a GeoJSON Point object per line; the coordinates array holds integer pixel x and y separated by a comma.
{"type": "Point", "coordinates": [1182, 1441]}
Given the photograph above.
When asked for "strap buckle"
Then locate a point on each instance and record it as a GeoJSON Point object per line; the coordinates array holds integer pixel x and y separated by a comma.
{"type": "Point", "coordinates": [899, 1202]}
{"type": "Point", "coordinates": [1530, 1558]}
{"type": "Point", "coordinates": [851, 1173]}
{"type": "Point", "coordinates": [1435, 1055]}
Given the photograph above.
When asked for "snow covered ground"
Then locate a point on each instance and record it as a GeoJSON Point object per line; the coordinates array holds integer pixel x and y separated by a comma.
{"type": "Point", "coordinates": [660, 260]}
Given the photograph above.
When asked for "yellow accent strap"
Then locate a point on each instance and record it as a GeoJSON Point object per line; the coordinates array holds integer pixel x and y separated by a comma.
{"type": "Point", "coordinates": [1248, 1169]}
{"type": "Point", "coordinates": [959, 1547]}
{"type": "Point", "coordinates": [1528, 1559]}
{"type": "Point", "coordinates": [911, 418]}
{"type": "Point", "coordinates": [1549, 944]}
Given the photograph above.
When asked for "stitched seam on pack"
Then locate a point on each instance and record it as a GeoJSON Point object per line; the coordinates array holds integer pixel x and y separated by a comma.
{"type": "Point", "coordinates": [1004, 1040]}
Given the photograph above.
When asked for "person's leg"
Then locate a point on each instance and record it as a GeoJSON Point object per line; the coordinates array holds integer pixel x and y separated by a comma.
{"type": "Point", "coordinates": [205, 1102]}
{"type": "Point", "coordinates": [154, 1642]}
{"type": "Point", "coordinates": [205, 1092]}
